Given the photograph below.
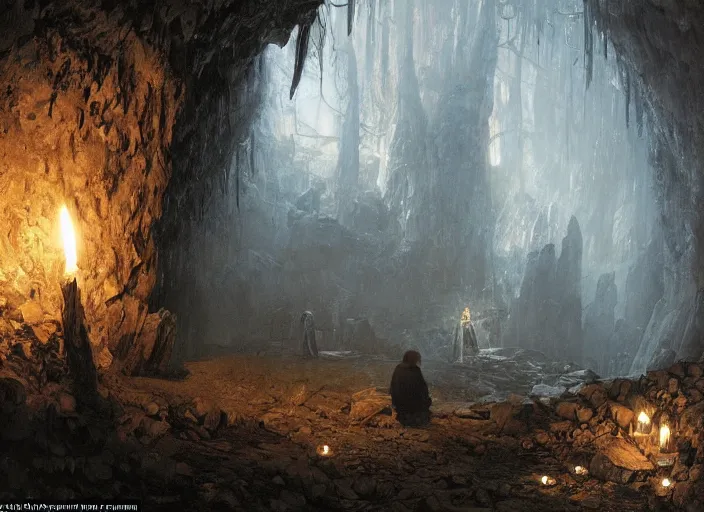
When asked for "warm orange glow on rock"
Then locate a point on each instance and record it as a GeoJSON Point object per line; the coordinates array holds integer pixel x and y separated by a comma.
{"type": "Point", "coordinates": [68, 236]}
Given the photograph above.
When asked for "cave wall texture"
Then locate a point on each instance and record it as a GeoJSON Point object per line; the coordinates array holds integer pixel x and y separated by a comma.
{"type": "Point", "coordinates": [91, 93]}
{"type": "Point", "coordinates": [660, 41]}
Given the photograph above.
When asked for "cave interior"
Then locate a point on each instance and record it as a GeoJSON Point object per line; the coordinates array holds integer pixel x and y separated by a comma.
{"type": "Point", "coordinates": [225, 221]}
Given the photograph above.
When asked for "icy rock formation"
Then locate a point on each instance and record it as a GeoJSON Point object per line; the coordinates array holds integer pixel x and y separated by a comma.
{"type": "Point", "coordinates": [599, 322]}
{"type": "Point", "coordinates": [547, 315]}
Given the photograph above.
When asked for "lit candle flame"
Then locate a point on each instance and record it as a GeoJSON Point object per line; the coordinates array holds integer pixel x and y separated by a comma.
{"type": "Point", "coordinates": [326, 449]}
{"type": "Point", "coordinates": [664, 436]}
{"type": "Point", "coordinates": [643, 418]}
{"type": "Point", "coordinates": [69, 239]}
{"type": "Point", "coordinates": [580, 470]}
{"type": "Point", "coordinates": [544, 480]}
{"type": "Point", "coordinates": [666, 482]}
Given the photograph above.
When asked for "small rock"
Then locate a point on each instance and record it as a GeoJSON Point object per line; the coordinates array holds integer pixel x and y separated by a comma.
{"type": "Point", "coordinates": [567, 410]}
{"type": "Point", "coordinates": [584, 414]}
{"type": "Point", "coordinates": [527, 444]}
{"type": "Point", "coordinates": [695, 370]}
{"type": "Point", "coordinates": [673, 386]}
{"type": "Point", "coordinates": [542, 438]}
{"type": "Point", "coordinates": [152, 409]}
{"type": "Point", "coordinates": [364, 486]}
{"type": "Point", "coordinates": [67, 404]}
{"type": "Point", "coordinates": [344, 490]}
{"type": "Point", "coordinates": [459, 480]}
{"type": "Point", "coordinates": [622, 415]}
{"type": "Point", "coordinates": [154, 428]}
{"type": "Point", "coordinates": [200, 407]}
{"type": "Point", "coordinates": [212, 420]}
{"type": "Point", "coordinates": [41, 333]}
{"type": "Point", "coordinates": [32, 312]}
{"type": "Point", "coordinates": [277, 480]}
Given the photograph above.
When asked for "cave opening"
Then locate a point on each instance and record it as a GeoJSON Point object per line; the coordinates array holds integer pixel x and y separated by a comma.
{"type": "Point", "coordinates": [226, 222]}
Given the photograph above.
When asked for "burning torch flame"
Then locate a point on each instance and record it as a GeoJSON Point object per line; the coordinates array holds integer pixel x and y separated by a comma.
{"type": "Point", "coordinates": [664, 436]}
{"type": "Point", "coordinates": [69, 239]}
{"type": "Point", "coordinates": [643, 418]}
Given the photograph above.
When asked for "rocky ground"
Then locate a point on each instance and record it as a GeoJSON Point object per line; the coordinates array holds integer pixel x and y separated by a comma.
{"type": "Point", "coordinates": [245, 433]}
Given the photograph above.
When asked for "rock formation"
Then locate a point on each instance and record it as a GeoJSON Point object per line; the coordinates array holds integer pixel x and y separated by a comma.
{"type": "Point", "coordinates": [599, 323]}
{"type": "Point", "coordinates": [547, 315]}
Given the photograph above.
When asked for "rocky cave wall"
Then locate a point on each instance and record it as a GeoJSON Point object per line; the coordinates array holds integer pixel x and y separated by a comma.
{"type": "Point", "coordinates": [660, 43]}
{"type": "Point", "coordinates": [91, 95]}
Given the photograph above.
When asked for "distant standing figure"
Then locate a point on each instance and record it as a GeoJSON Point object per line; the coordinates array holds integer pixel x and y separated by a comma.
{"type": "Point", "coordinates": [409, 392]}
{"type": "Point", "coordinates": [467, 344]}
{"type": "Point", "coordinates": [309, 347]}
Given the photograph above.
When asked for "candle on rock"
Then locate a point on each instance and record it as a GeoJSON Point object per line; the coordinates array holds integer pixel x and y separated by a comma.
{"type": "Point", "coordinates": [76, 342]}
{"type": "Point", "coordinates": [643, 425]}
{"type": "Point", "coordinates": [546, 480]}
{"type": "Point", "coordinates": [324, 450]}
{"type": "Point", "coordinates": [665, 439]}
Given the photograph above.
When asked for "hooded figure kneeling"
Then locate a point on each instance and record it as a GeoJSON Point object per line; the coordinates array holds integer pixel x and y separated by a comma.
{"type": "Point", "coordinates": [409, 392]}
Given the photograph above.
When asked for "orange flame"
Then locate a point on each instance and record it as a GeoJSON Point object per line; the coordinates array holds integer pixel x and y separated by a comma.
{"type": "Point", "coordinates": [664, 436]}
{"type": "Point", "coordinates": [69, 239]}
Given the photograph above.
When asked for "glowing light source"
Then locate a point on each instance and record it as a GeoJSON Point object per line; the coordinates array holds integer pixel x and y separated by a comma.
{"type": "Point", "coordinates": [580, 470]}
{"type": "Point", "coordinates": [69, 239]}
{"type": "Point", "coordinates": [666, 482]}
{"type": "Point", "coordinates": [643, 426]}
{"type": "Point", "coordinates": [546, 480]}
{"type": "Point", "coordinates": [324, 450]}
{"type": "Point", "coordinates": [664, 436]}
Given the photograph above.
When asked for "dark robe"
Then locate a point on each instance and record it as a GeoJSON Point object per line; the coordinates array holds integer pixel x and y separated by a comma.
{"type": "Point", "coordinates": [409, 395]}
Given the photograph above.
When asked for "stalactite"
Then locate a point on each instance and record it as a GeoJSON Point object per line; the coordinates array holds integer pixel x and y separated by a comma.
{"type": "Point", "coordinates": [350, 16]}
{"type": "Point", "coordinates": [302, 41]}
{"type": "Point", "coordinates": [588, 42]}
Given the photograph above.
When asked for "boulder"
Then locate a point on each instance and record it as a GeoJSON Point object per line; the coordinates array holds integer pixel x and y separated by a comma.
{"type": "Point", "coordinates": [622, 415]}
{"type": "Point", "coordinates": [623, 454]}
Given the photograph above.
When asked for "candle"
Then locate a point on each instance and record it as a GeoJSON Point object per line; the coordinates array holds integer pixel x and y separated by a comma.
{"type": "Point", "coordinates": [546, 480]}
{"type": "Point", "coordinates": [664, 438]}
{"type": "Point", "coordinates": [666, 482]}
{"type": "Point", "coordinates": [324, 450]}
{"type": "Point", "coordinates": [643, 425]}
